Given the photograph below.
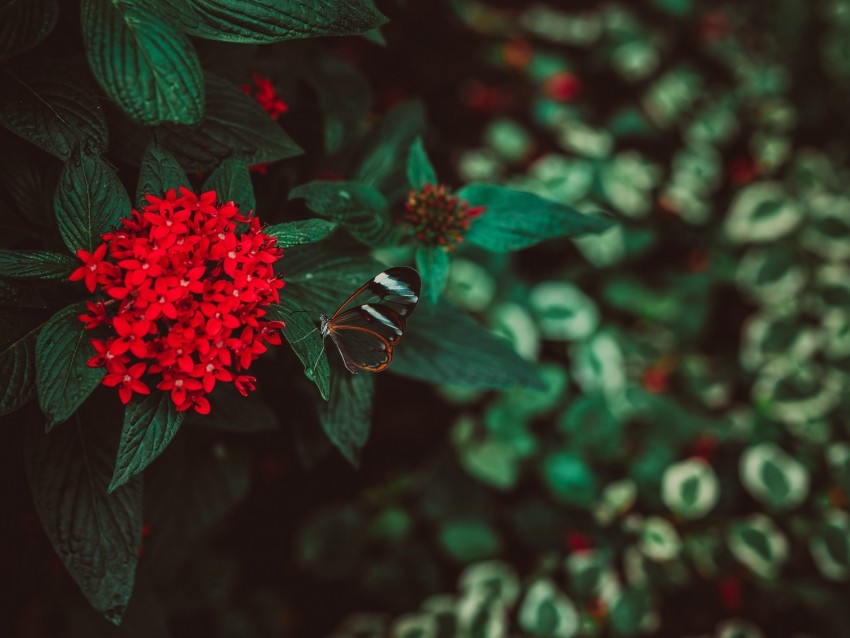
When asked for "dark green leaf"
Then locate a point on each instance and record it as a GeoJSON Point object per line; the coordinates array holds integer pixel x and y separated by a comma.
{"type": "Point", "coordinates": [320, 280]}
{"type": "Point", "coordinates": [36, 264]}
{"type": "Point", "coordinates": [358, 208]}
{"type": "Point", "coordinates": [17, 371]}
{"type": "Point", "coordinates": [18, 332]}
{"type": "Point", "coordinates": [469, 540]}
{"type": "Point", "coordinates": [150, 423]}
{"type": "Point", "coordinates": [233, 124]}
{"type": "Point", "coordinates": [231, 182]}
{"type": "Point", "coordinates": [347, 415]}
{"type": "Point", "coordinates": [516, 219]}
{"type": "Point", "coordinates": [446, 346]}
{"type": "Point", "coordinates": [25, 23]}
{"type": "Point", "coordinates": [145, 616]}
{"type": "Point", "coordinates": [90, 201]}
{"type": "Point", "coordinates": [419, 168]}
{"type": "Point", "coordinates": [159, 173]}
{"type": "Point", "coordinates": [344, 98]}
{"type": "Point", "coordinates": [62, 377]}
{"type": "Point", "coordinates": [384, 165]}
{"type": "Point", "coordinates": [232, 412]}
{"type": "Point", "coordinates": [305, 340]}
{"type": "Point", "coordinates": [629, 611]}
{"type": "Point", "coordinates": [148, 67]}
{"type": "Point", "coordinates": [300, 232]}
{"type": "Point", "coordinates": [261, 21]}
{"type": "Point", "coordinates": [433, 265]}
{"type": "Point", "coordinates": [96, 534]}
{"type": "Point", "coordinates": [54, 106]}
{"type": "Point", "coordinates": [376, 36]}
{"type": "Point", "coordinates": [570, 479]}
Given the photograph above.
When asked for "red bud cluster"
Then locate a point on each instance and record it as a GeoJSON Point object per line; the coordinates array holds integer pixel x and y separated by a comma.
{"type": "Point", "coordinates": [438, 217]}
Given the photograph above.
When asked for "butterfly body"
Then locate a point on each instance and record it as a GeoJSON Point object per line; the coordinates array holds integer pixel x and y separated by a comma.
{"type": "Point", "coordinates": [365, 333]}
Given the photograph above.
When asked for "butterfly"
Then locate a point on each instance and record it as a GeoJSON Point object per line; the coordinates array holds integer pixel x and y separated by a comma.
{"type": "Point", "coordinates": [367, 326]}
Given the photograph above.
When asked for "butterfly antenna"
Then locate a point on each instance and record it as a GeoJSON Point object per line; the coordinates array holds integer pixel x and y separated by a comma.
{"type": "Point", "coordinates": [319, 358]}
{"type": "Point", "coordinates": [304, 337]}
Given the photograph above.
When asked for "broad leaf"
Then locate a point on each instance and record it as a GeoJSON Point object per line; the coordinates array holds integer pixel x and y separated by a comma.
{"type": "Point", "coordinates": [17, 369]}
{"type": "Point", "coordinates": [633, 607]}
{"type": "Point", "coordinates": [54, 106]}
{"type": "Point", "coordinates": [515, 219]}
{"type": "Point", "coordinates": [762, 212]}
{"type": "Point", "coordinates": [433, 265]}
{"type": "Point", "coordinates": [419, 168]}
{"type": "Point", "coordinates": [89, 201]}
{"type": "Point", "coordinates": [159, 173]}
{"type": "Point", "coordinates": [547, 611]}
{"type": "Point", "coordinates": [261, 21]}
{"type": "Point", "coordinates": [25, 23]}
{"type": "Point", "coordinates": [384, 164]}
{"type": "Point", "coordinates": [145, 617]}
{"type": "Point", "coordinates": [344, 99]}
{"type": "Point", "coordinates": [758, 544]}
{"type": "Point", "coordinates": [321, 280]}
{"type": "Point", "coordinates": [306, 341]}
{"type": "Point", "coordinates": [446, 346]}
{"type": "Point", "coordinates": [347, 416]}
{"type": "Point", "coordinates": [376, 37]}
{"type": "Point", "coordinates": [96, 534]}
{"type": "Point", "coordinates": [20, 320]}
{"type": "Point", "coordinates": [773, 476]}
{"type": "Point", "coordinates": [690, 488]}
{"type": "Point", "coordinates": [148, 67]}
{"type": "Point", "coordinates": [570, 479]}
{"type": "Point", "coordinates": [150, 423]}
{"type": "Point", "coordinates": [232, 183]}
{"type": "Point", "coordinates": [301, 232]}
{"type": "Point", "coordinates": [62, 377]}
{"type": "Point", "coordinates": [233, 124]}
{"type": "Point", "coordinates": [830, 546]}
{"type": "Point", "coordinates": [36, 264]}
{"type": "Point", "coordinates": [358, 208]}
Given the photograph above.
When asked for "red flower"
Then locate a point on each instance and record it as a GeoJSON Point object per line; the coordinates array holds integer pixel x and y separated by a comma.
{"type": "Point", "coordinates": [438, 217]}
{"type": "Point", "coordinates": [97, 317]}
{"type": "Point", "coordinates": [188, 280]}
{"type": "Point", "coordinates": [264, 92]}
{"type": "Point", "coordinates": [127, 381]}
{"type": "Point", "coordinates": [94, 271]}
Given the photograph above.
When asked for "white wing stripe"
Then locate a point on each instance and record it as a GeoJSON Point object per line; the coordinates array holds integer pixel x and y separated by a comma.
{"type": "Point", "coordinates": [377, 314]}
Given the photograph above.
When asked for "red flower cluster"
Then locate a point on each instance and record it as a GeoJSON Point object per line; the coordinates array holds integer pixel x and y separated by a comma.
{"type": "Point", "coordinates": [438, 217]}
{"type": "Point", "coordinates": [186, 292]}
{"type": "Point", "coordinates": [264, 92]}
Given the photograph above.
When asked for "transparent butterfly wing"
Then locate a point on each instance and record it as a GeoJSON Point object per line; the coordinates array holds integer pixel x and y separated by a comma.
{"type": "Point", "coordinates": [372, 320]}
{"type": "Point", "coordinates": [396, 288]}
{"type": "Point", "coordinates": [362, 349]}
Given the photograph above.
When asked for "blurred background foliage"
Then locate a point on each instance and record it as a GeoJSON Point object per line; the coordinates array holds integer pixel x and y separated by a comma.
{"type": "Point", "coordinates": [686, 470]}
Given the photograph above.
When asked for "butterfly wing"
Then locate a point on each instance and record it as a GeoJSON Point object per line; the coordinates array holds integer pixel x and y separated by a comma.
{"type": "Point", "coordinates": [362, 349]}
{"type": "Point", "coordinates": [372, 320]}
{"type": "Point", "coordinates": [396, 288]}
